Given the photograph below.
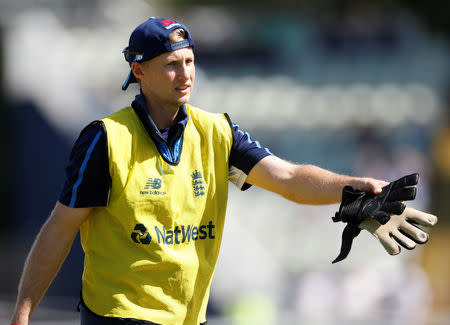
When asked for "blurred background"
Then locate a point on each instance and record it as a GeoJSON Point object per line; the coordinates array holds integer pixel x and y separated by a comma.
{"type": "Point", "coordinates": [358, 87]}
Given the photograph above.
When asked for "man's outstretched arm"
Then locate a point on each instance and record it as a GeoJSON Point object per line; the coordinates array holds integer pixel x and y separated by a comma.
{"type": "Point", "coordinates": [306, 184]}
{"type": "Point", "coordinates": [46, 256]}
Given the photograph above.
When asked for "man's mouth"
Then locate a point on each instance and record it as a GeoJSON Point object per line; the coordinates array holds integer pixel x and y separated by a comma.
{"type": "Point", "coordinates": [182, 89]}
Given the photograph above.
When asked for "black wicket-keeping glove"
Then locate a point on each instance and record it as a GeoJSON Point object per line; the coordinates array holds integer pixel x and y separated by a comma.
{"type": "Point", "coordinates": [357, 206]}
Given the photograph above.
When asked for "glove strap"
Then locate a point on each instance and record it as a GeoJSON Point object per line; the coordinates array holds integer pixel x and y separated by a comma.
{"type": "Point", "coordinates": [349, 210]}
{"type": "Point", "coordinates": [349, 233]}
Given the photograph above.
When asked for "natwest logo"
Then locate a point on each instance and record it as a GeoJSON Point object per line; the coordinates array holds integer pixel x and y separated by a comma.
{"type": "Point", "coordinates": [181, 234]}
{"type": "Point", "coordinates": [140, 235]}
{"type": "Point", "coordinates": [178, 235]}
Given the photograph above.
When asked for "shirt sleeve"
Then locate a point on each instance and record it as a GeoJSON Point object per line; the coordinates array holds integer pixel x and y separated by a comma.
{"type": "Point", "coordinates": [245, 154]}
{"type": "Point", "coordinates": [88, 181]}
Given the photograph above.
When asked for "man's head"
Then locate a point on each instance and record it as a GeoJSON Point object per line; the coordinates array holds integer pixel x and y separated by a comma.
{"type": "Point", "coordinates": [152, 38]}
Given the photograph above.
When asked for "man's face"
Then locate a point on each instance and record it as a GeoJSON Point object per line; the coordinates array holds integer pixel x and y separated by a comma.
{"type": "Point", "coordinates": [168, 78]}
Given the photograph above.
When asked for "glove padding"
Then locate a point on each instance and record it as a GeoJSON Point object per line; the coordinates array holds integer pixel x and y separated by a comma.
{"type": "Point", "coordinates": [357, 206]}
{"type": "Point", "coordinates": [401, 230]}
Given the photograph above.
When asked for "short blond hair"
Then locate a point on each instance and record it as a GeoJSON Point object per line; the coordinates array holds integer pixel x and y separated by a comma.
{"type": "Point", "coordinates": [177, 35]}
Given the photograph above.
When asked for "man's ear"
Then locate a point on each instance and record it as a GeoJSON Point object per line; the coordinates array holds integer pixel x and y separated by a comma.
{"type": "Point", "coordinates": [136, 67]}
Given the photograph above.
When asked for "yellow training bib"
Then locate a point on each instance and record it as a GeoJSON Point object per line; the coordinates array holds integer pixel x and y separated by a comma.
{"type": "Point", "coordinates": [151, 253]}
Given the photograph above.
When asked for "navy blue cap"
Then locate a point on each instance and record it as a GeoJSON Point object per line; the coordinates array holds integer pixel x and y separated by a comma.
{"type": "Point", "coordinates": [150, 39]}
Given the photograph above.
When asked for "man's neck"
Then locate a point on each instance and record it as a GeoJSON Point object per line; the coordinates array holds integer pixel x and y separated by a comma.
{"type": "Point", "coordinates": [162, 116]}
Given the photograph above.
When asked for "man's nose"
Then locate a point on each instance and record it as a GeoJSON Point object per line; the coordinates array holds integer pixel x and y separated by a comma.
{"type": "Point", "coordinates": [184, 71]}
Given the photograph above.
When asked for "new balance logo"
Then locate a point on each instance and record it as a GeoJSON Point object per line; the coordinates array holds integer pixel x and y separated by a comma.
{"type": "Point", "coordinates": [152, 187]}
{"type": "Point", "coordinates": [153, 183]}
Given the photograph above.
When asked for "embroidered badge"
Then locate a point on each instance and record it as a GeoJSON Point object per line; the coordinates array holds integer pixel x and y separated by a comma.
{"type": "Point", "coordinates": [198, 183]}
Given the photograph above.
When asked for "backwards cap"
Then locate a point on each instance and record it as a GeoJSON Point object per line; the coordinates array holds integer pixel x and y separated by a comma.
{"type": "Point", "coordinates": [150, 39]}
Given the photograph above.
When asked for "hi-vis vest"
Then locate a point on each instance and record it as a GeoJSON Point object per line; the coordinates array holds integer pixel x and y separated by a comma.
{"type": "Point", "coordinates": [151, 253]}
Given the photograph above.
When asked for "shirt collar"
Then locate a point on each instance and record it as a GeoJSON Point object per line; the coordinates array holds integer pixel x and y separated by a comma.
{"type": "Point", "coordinates": [140, 106]}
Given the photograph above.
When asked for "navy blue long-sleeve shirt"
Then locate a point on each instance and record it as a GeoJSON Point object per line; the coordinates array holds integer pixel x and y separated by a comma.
{"type": "Point", "coordinates": [88, 180]}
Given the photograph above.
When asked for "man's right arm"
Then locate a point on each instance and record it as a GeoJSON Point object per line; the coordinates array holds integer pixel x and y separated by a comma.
{"type": "Point", "coordinates": [87, 185]}
{"type": "Point", "coordinates": [46, 256]}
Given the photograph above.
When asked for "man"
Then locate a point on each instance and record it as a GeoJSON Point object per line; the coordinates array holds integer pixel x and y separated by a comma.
{"type": "Point", "coordinates": [147, 188]}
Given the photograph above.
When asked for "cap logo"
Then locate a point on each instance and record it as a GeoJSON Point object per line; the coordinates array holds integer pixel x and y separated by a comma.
{"type": "Point", "coordinates": [168, 23]}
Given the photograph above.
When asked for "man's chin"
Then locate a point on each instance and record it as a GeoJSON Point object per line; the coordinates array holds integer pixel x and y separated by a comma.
{"type": "Point", "coordinates": [183, 100]}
